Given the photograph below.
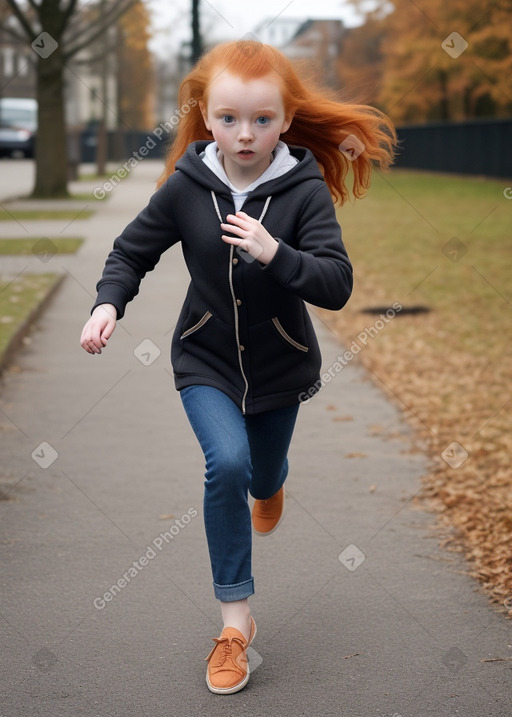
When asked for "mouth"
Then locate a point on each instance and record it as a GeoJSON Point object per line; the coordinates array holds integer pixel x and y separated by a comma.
{"type": "Point", "coordinates": [246, 153]}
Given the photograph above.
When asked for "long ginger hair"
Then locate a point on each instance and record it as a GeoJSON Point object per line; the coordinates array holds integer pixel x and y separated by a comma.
{"type": "Point", "coordinates": [340, 135]}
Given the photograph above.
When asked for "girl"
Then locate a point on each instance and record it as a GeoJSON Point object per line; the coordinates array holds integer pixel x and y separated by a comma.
{"type": "Point", "coordinates": [254, 214]}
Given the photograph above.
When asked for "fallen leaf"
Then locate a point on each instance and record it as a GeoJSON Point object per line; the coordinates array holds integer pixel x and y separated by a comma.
{"type": "Point", "coordinates": [498, 659]}
{"type": "Point", "coordinates": [451, 379]}
{"type": "Point", "coordinates": [375, 429]}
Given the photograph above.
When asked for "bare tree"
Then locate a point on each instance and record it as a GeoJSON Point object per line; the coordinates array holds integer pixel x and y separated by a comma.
{"type": "Point", "coordinates": [54, 31]}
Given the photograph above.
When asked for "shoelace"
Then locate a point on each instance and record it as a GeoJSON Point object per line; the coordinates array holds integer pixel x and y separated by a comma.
{"type": "Point", "coordinates": [226, 649]}
{"type": "Point", "coordinates": [226, 652]}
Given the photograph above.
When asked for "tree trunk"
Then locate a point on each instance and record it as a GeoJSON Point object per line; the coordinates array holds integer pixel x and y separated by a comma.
{"type": "Point", "coordinates": [444, 104]}
{"type": "Point", "coordinates": [469, 110]}
{"type": "Point", "coordinates": [51, 144]}
{"type": "Point", "coordinates": [101, 131]}
{"type": "Point", "coordinates": [197, 45]}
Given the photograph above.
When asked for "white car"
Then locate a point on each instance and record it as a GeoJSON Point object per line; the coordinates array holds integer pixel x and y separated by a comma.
{"type": "Point", "coordinates": [18, 126]}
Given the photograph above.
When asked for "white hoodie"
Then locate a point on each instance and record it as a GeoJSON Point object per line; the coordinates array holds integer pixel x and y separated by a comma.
{"type": "Point", "coordinates": [282, 161]}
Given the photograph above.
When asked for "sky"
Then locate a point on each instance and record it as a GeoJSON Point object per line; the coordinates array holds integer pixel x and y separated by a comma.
{"type": "Point", "coordinates": [232, 19]}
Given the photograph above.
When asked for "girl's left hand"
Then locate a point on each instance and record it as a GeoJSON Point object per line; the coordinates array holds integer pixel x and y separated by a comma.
{"type": "Point", "coordinates": [253, 237]}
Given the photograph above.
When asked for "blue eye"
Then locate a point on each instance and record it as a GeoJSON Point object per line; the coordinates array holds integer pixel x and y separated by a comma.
{"type": "Point", "coordinates": [263, 120]}
{"type": "Point", "coordinates": [228, 119]}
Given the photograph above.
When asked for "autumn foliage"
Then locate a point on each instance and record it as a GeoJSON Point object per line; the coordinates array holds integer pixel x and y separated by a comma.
{"type": "Point", "coordinates": [397, 58]}
{"type": "Point", "coordinates": [136, 74]}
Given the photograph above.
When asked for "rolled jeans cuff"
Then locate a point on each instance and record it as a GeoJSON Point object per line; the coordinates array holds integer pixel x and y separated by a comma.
{"type": "Point", "coordinates": [238, 591]}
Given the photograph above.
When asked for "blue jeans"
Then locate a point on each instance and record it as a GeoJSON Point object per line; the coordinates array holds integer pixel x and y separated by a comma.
{"type": "Point", "coordinates": [242, 454]}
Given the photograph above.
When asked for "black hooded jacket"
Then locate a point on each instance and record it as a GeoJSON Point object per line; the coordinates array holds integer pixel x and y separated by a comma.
{"type": "Point", "coordinates": [243, 327]}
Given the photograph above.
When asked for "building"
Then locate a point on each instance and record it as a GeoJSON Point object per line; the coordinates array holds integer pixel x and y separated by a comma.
{"type": "Point", "coordinates": [17, 66]}
{"type": "Point", "coordinates": [317, 44]}
{"type": "Point", "coordinates": [314, 44]}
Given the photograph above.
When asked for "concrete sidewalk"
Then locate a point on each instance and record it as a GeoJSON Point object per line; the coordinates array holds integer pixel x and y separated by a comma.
{"type": "Point", "coordinates": [107, 606]}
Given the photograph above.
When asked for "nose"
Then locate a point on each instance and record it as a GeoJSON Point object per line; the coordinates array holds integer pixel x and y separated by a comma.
{"type": "Point", "coordinates": [245, 132]}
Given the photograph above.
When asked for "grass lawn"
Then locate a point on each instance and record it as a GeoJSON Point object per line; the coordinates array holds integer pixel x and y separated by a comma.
{"type": "Point", "coordinates": [443, 242]}
{"type": "Point", "coordinates": [39, 214]}
{"type": "Point", "coordinates": [87, 197]}
{"type": "Point", "coordinates": [92, 177]}
{"type": "Point", "coordinates": [19, 297]}
{"type": "Point", "coordinates": [95, 177]}
{"type": "Point", "coordinates": [40, 245]}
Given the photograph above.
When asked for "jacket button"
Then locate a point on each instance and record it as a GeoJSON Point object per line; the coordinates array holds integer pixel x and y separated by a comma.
{"type": "Point", "coordinates": [235, 261]}
{"type": "Point", "coordinates": [242, 348]}
{"type": "Point", "coordinates": [238, 302]}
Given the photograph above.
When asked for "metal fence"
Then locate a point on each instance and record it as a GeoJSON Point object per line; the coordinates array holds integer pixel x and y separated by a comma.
{"type": "Point", "coordinates": [123, 145]}
{"type": "Point", "coordinates": [482, 147]}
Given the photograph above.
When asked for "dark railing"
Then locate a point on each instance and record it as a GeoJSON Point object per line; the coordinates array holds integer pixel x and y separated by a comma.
{"type": "Point", "coordinates": [122, 145]}
{"type": "Point", "coordinates": [481, 147]}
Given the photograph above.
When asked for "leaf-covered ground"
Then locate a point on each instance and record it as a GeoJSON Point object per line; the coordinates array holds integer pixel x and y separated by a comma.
{"type": "Point", "coordinates": [19, 297]}
{"type": "Point", "coordinates": [443, 243]}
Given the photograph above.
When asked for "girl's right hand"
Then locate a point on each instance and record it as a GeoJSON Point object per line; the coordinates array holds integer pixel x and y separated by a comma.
{"type": "Point", "coordinates": [99, 328]}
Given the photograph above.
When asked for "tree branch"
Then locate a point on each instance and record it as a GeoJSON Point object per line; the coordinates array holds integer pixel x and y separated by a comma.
{"type": "Point", "coordinates": [13, 33]}
{"type": "Point", "coordinates": [97, 58]}
{"type": "Point", "coordinates": [25, 24]}
{"type": "Point", "coordinates": [99, 26]}
{"type": "Point", "coordinates": [67, 13]}
{"type": "Point", "coordinates": [102, 13]}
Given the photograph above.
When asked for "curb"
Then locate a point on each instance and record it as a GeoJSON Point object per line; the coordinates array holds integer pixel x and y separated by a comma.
{"type": "Point", "coordinates": [17, 339]}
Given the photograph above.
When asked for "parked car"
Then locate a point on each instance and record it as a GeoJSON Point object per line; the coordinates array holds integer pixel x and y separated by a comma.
{"type": "Point", "coordinates": [18, 126]}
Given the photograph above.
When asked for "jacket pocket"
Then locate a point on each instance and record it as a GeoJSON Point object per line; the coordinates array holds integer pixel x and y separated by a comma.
{"type": "Point", "coordinates": [206, 347]}
{"type": "Point", "coordinates": [287, 337]}
{"type": "Point", "coordinates": [202, 321]}
{"type": "Point", "coordinates": [276, 365]}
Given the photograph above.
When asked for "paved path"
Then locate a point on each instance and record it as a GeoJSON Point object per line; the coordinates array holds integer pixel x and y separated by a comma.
{"type": "Point", "coordinates": [16, 177]}
{"type": "Point", "coordinates": [359, 613]}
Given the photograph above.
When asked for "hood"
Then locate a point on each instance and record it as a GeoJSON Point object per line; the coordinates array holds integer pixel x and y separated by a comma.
{"type": "Point", "coordinates": [192, 164]}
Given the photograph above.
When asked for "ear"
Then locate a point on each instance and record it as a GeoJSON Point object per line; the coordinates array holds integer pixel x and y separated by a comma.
{"type": "Point", "coordinates": [286, 124]}
{"type": "Point", "coordinates": [204, 112]}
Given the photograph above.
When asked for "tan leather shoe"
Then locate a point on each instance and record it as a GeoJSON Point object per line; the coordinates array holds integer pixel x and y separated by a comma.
{"type": "Point", "coordinates": [228, 666]}
{"type": "Point", "coordinates": [267, 514]}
